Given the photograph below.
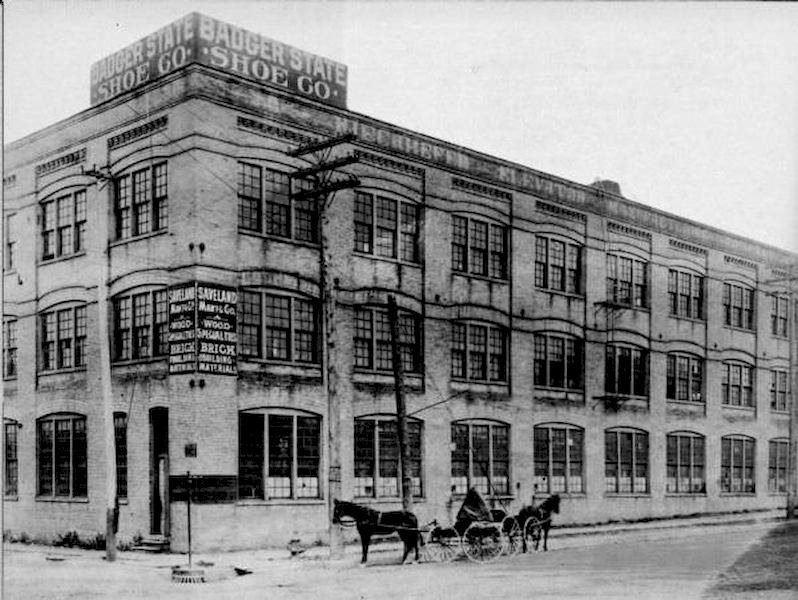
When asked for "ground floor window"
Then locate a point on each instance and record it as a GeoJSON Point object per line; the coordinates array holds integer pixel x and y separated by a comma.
{"type": "Point", "coordinates": [737, 464]}
{"type": "Point", "coordinates": [685, 464]}
{"type": "Point", "coordinates": [61, 454]}
{"type": "Point", "coordinates": [777, 465]}
{"type": "Point", "coordinates": [626, 461]}
{"type": "Point", "coordinates": [279, 456]}
{"type": "Point", "coordinates": [120, 446]}
{"type": "Point", "coordinates": [481, 457]}
{"type": "Point", "coordinates": [11, 465]}
{"type": "Point", "coordinates": [558, 459]}
{"type": "Point", "coordinates": [377, 457]}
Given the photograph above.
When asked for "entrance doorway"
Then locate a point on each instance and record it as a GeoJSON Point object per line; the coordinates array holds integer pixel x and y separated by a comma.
{"type": "Point", "coordinates": [159, 471]}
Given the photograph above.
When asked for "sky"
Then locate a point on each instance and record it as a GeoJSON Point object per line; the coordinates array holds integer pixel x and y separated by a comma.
{"type": "Point", "coordinates": [691, 107]}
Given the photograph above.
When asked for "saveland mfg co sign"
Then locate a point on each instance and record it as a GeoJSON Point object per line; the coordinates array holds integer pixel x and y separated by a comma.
{"type": "Point", "coordinates": [200, 39]}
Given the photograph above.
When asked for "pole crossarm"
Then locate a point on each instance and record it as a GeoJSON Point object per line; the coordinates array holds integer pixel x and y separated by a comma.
{"type": "Point", "coordinates": [343, 161]}
{"type": "Point", "coordinates": [329, 188]}
{"type": "Point", "coordinates": [322, 145]}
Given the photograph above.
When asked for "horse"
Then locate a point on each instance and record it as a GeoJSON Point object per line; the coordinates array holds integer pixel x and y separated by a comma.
{"type": "Point", "coordinates": [542, 512]}
{"type": "Point", "coordinates": [373, 522]}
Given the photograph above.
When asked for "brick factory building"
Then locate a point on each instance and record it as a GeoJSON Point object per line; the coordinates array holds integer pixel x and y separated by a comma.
{"type": "Point", "coordinates": [555, 337]}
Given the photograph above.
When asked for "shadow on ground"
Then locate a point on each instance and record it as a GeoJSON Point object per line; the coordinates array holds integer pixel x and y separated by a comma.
{"type": "Point", "coordinates": [768, 568]}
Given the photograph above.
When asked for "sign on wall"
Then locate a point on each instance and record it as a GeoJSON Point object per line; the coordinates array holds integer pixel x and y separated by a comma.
{"type": "Point", "coordinates": [197, 38]}
{"type": "Point", "coordinates": [202, 329]}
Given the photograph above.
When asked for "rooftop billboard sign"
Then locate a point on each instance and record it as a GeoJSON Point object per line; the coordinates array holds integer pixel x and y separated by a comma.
{"type": "Point", "coordinates": [200, 39]}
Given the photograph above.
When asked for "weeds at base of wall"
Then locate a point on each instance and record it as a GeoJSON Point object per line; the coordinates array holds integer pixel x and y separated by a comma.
{"type": "Point", "coordinates": [71, 539]}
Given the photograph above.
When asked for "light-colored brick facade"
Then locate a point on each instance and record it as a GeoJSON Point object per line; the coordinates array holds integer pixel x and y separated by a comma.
{"type": "Point", "coordinates": [202, 125]}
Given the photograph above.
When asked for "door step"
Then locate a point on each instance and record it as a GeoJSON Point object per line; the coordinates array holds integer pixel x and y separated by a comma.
{"type": "Point", "coordinates": [153, 544]}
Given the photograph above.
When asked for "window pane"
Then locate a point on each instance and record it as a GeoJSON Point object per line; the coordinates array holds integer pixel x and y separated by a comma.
{"type": "Point", "coordinates": [280, 456]}
{"type": "Point", "coordinates": [250, 455]}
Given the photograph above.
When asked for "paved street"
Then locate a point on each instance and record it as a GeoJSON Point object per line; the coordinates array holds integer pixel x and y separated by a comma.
{"type": "Point", "coordinates": [672, 563]}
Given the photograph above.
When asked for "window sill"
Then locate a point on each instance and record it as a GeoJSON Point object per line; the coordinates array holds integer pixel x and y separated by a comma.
{"type": "Point", "coordinates": [778, 336]}
{"type": "Point", "coordinates": [747, 409]}
{"type": "Point", "coordinates": [572, 295]}
{"type": "Point", "coordinates": [685, 495]}
{"type": "Point", "coordinates": [143, 236]}
{"type": "Point", "coordinates": [696, 403]}
{"type": "Point", "coordinates": [81, 369]}
{"type": "Point", "coordinates": [740, 329]}
{"type": "Point", "coordinates": [59, 259]}
{"type": "Point", "coordinates": [736, 494]}
{"type": "Point", "coordinates": [281, 502]}
{"type": "Point", "coordinates": [619, 306]}
{"type": "Point", "coordinates": [780, 413]}
{"type": "Point", "coordinates": [398, 261]}
{"type": "Point", "coordinates": [504, 280]}
{"type": "Point", "coordinates": [138, 361]}
{"type": "Point", "coordinates": [777, 494]}
{"type": "Point", "coordinates": [371, 501]}
{"type": "Point", "coordinates": [696, 320]}
{"type": "Point", "coordinates": [10, 498]}
{"type": "Point", "coordinates": [11, 378]}
{"type": "Point", "coordinates": [496, 387]}
{"type": "Point", "coordinates": [560, 390]}
{"type": "Point", "coordinates": [279, 238]}
{"type": "Point", "coordinates": [627, 494]}
{"type": "Point", "coordinates": [59, 500]}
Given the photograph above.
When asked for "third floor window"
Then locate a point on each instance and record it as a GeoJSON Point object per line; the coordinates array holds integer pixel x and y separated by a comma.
{"type": "Point", "coordinates": [266, 204]}
{"type": "Point", "coordinates": [737, 384]}
{"type": "Point", "coordinates": [558, 265]}
{"type": "Point", "coordinates": [685, 294]}
{"type": "Point", "coordinates": [778, 315]}
{"type": "Point", "coordinates": [627, 281]}
{"type": "Point", "coordinates": [141, 202]}
{"type": "Point", "coordinates": [626, 370]}
{"type": "Point", "coordinates": [684, 379]}
{"type": "Point", "coordinates": [779, 390]}
{"type": "Point", "coordinates": [479, 247]}
{"type": "Point", "coordinates": [479, 352]}
{"type": "Point", "coordinates": [373, 340]}
{"type": "Point", "coordinates": [558, 361]}
{"type": "Point", "coordinates": [141, 325]}
{"type": "Point", "coordinates": [64, 225]}
{"type": "Point", "coordinates": [386, 227]}
{"type": "Point", "coordinates": [63, 338]}
{"type": "Point", "coordinates": [738, 306]}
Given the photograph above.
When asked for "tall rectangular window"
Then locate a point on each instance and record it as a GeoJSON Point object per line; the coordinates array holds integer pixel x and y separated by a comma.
{"type": "Point", "coordinates": [737, 465]}
{"type": "Point", "coordinates": [479, 352]}
{"type": "Point", "coordinates": [61, 457]}
{"type": "Point", "coordinates": [479, 248]}
{"type": "Point", "coordinates": [779, 306]}
{"type": "Point", "coordinates": [386, 227]}
{"type": "Point", "coordinates": [559, 459]}
{"type": "Point", "coordinates": [684, 378]}
{"type": "Point", "coordinates": [779, 390]}
{"type": "Point", "coordinates": [12, 238]}
{"type": "Point", "coordinates": [141, 325]}
{"type": "Point", "coordinates": [558, 265]}
{"type": "Point", "coordinates": [377, 458]}
{"type": "Point", "coordinates": [685, 294]}
{"type": "Point", "coordinates": [557, 361]}
{"type": "Point", "coordinates": [276, 203]}
{"type": "Point", "coordinates": [685, 464]}
{"type": "Point", "coordinates": [778, 452]}
{"type": "Point", "coordinates": [737, 384]}
{"type": "Point", "coordinates": [626, 462]}
{"type": "Point", "coordinates": [627, 281]}
{"type": "Point", "coordinates": [11, 462]}
{"type": "Point", "coordinates": [141, 202]}
{"type": "Point", "coordinates": [277, 327]}
{"type": "Point", "coordinates": [279, 456]}
{"type": "Point", "coordinates": [9, 348]}
{"type": "Point", "coordinates": [738, 306]}
{"type": "Point", "coordinates": [372, 340]}
{"type": "Point", "coordinates": [63, 338]}
{"type": "Point", "coordinates": [120, 447]}
{"type": "Point", "coordinates": [626, 370]}
{"type": "Point", "coordinates": [64, 225]}
{"type": "Point", "coordinates": [249, 194]}
{"type": "Point", "coordinates": [481, 458]}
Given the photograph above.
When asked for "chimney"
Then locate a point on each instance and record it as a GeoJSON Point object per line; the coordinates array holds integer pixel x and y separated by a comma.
{"type": "Point", "coordinates": [607, 185]}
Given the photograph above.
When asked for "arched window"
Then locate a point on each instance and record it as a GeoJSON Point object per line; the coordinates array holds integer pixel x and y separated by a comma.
{"type": "Point", "coordinates": [685, 463]}
{"type": "Point", "coordinates": [737, 464]}
{"type": "Point", "coordinates": [685, 294]}
{"type": "Point", "coordinates": [61, 456]}
{"type": "Point", "coordinates": [479, 351]}
{"type": "Point", "coordinates": [626, 370]}
{"type": "Point", "coordinates": [63, 338]}
{"type": "Point", "coordinates": [387, 227]}
{"type": "Point", "coordinates": [559, 458]}
{"type": "Point", "coordinates": [141, 201]}
{"type": "Point", "coordinates": [558, 361]}
{"type": "Point", "coordinates": [627, 281]}
{"type": "Point", "coordinates": [684, 378]}
{"type": "Point", "coordinates": [372, 340]}
{"type": "Point", "coordinates": [737, 384]}
{"type": "Point", "coordinates": [377, 457]}
{"type": "Point", "coordinates": [279, 455]}
{"type": "Point", "coordinates": [63, 222]}
{"type": "Point", "coordinates": [558, 265]}
{"type": "Point", "coordinates": [626, 461]}
{"type": "Point", "coordinates": [481, 457]}
{"type": "Point", "coordinates": [778, 451]}
{"type": "Point", "coordinates": [141, 324]}
{"type": "Point", "coordinates": [479, 247]}
{"type": "Point", "coordinates": [738, 306]}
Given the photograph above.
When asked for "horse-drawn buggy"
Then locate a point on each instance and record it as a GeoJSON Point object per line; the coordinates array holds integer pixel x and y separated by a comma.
{"type": "Point", "coordinates": [480, 533]}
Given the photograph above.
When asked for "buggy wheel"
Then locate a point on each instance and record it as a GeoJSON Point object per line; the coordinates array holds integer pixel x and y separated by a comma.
{"type": "Point", "coordinates": [442, 545]}
{"type": "Point", "coordinates": [512, 536]}
{"type": "Point", "coordinates": [532, 531]}
{"type": "Point", "coordinates": [482, 541]}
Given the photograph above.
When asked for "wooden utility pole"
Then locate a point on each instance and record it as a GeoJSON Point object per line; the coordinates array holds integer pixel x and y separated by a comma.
{"type": "Point", "coordinates": [401, 410]}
